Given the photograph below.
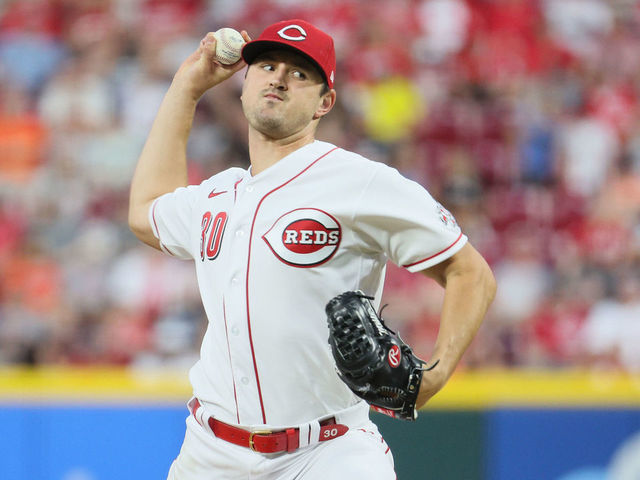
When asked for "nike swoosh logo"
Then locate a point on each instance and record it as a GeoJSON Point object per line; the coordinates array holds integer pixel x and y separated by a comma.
{"type": "Point", "coordinates": [215, 194]}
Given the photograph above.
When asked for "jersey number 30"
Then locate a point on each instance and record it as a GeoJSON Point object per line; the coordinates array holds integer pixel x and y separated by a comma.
{"type": "Point", "coordinates": [212, 231]}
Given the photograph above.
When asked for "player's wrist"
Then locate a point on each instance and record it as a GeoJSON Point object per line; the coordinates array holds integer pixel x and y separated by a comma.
{"type": "Point", "coordinates": [185, 90]}
{"type": "Point", "coordinates": [434, 377]}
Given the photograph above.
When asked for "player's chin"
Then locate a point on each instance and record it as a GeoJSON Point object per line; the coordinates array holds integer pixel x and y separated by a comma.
{"type": "Point", "coordinates": [272, 126]}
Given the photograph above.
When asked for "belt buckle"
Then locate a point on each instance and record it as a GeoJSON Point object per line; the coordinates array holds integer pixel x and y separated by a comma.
{"type": "Point", "coordinates": [256, 432]}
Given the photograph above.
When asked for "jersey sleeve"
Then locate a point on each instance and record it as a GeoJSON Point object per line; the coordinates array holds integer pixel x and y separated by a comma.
{"type": "Point", "coordinates": [170, 218]}
{"type": "Point", "coordinates": [400, 217]}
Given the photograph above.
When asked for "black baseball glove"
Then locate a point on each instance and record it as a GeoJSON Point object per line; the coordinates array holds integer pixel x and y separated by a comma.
{"type": "Point", "coordinates": [372, 359]}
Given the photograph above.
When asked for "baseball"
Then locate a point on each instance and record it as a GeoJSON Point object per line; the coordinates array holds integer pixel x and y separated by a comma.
{"type": "Point", "coordinates": [229, 43]}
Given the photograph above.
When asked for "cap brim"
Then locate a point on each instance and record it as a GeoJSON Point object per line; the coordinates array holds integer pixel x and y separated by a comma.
{"type": "Point", "coordinates": [255, 48]}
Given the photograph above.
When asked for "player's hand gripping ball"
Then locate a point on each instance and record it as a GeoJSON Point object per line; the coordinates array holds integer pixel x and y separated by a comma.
{"type": "Point", "coordinates": [229, 44]}
{"type": "Point", "coordinates": [371, 359]}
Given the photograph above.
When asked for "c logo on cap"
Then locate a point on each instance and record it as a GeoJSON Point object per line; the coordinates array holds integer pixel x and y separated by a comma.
{"type": "Point", "coordinates": [299, 38]}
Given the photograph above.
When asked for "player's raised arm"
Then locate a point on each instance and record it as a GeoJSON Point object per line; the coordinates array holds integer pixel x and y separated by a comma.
{"type": "Point", "coordinates": [162, 165]}
{"type": "Point", "coordinates": [469, 290]}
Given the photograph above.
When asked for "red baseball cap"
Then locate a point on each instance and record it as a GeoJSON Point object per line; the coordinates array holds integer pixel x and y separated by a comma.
{"type": "Point", "coordinates": [301, 37]}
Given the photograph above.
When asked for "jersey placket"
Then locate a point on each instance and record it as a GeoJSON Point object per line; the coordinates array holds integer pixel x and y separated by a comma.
{"type": "Point", "coordinates": [241, 352]}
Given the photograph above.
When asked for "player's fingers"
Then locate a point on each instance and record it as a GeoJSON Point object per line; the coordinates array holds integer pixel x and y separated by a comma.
{"type": "Point", "coordinates": [208, 45]}
{"type": "Point", "coordinates": [245, 35]}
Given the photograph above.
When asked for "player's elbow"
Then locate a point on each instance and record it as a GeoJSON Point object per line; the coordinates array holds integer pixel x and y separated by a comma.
{"type": "Point", "coordinates": [482, 276]}
{"type": "Point", "coordinates": [135, 225]}
{"type": "Point", "coordinates": [489, 283]}
{"type": "Point", "coordinates": [139, 223]}
{"type": "Point", "coordinates": [470, 267]}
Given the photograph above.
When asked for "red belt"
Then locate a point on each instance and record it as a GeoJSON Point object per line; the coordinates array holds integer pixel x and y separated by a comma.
{"type": "Point", "coordinates": [268, 441]}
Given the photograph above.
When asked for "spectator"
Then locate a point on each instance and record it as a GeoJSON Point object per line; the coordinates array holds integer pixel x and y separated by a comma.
{"type": "Point", "coordinates": [612, 330]}
{"type": "Point", "coordinates": [522, 116]}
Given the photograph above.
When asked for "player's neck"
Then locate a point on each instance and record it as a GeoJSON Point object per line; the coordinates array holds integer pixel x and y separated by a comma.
{"type": "Point", "coordinates": [265, 152]}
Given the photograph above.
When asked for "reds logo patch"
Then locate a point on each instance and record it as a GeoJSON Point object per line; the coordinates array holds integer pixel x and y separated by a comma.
{"type": "Point", "coordinates": [446, 217]}
{"type": "Point", "coordinates": [394, 356]}
{"type": "Point", "coordinates": [305, 237]}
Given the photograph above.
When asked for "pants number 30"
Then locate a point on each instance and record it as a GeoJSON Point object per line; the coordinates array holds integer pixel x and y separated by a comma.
{"type": "Point", "coordinates": [330, 433]}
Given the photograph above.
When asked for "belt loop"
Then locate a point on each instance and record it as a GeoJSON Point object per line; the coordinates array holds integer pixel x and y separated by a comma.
{"type": "Point", "coordinates": [196, 410]}
{"type": "Point", "coordinates": [304, 434]}
{"type": "Point", "coordinates": [314, 434]}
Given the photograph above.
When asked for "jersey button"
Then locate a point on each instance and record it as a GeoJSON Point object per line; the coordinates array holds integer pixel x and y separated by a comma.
{"type": "Point", "coordinates": [240, 233]}
{"type": "Point", "coordinates": [235, 330]}
{"type": "Point", "coordinates": [234, 280]}
{"type": "Point", "coordinates": [250, 188]}
{"type": "Point", "coordinates": [244, 380]}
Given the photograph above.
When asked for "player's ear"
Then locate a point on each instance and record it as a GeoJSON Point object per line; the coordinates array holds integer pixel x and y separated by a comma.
{"type": "Point", "coordinates": [327, 101]}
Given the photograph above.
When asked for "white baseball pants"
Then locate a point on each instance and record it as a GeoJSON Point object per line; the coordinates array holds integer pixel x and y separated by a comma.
{"type": "Point", "coordinates": [360, 453]}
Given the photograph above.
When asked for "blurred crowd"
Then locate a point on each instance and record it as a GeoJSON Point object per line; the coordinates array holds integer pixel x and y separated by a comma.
{"type": "Point", "coordinates": [520, 116]}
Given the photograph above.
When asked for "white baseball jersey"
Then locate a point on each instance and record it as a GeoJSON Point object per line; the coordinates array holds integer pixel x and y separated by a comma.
{"type": "Point", "coordinates": [271, 250]}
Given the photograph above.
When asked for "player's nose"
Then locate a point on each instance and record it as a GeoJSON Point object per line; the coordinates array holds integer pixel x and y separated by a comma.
{"type": "Point", "coordinates": [279, 78]}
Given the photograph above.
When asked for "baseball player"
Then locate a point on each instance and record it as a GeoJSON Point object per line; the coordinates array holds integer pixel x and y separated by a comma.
{"type": "Point", "coordinates": [271, 245]}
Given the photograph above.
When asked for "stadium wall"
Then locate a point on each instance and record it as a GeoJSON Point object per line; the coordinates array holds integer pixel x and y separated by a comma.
{"type": "Point", "coordinates": [103, 424]}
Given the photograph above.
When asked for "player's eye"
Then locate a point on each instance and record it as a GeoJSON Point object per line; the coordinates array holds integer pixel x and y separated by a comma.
{"type": "Point", "coordinates": [298, 74]}
{"type": "Point", "coordinates": [267, 66]}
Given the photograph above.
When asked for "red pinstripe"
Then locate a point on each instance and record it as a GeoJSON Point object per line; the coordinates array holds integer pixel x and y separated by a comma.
{"type": "Point", "coordinates": [226, 331]}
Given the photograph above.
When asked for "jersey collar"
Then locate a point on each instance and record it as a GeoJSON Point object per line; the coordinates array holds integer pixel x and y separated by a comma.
{"type": "Point", "coordinates": [290, 165]}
